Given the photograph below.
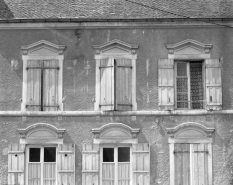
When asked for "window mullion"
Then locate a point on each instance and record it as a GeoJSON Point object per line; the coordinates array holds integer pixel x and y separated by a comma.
{"type": "Point", "coordinates": [42, 84]}
{"type": "Point", "coordinates": [189, 85]}
{"type": "Point", "coordinates": [116, 165]}
{"type": "Point", "coordinates": [42, 165]}
{"type": "Point", "coordinates": [114, 88]}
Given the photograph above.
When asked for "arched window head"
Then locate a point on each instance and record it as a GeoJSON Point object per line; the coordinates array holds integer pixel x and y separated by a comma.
{"type": "Point", "coordinates": [41, 133]}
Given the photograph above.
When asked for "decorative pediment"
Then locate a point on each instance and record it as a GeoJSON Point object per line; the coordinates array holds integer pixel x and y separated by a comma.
{"type": "Point", "coordinates": [190, 130]}
{"type": "Point", "coordinates": [115, 46]}
{"type": "Point", "coordinates": [115, 131]}
{"type": "Point", "coordinates": [189, 47]}
{"type": "Point", "coordinates": [41, 131]}
{"type": "Point", "coordinates": [43, 47]}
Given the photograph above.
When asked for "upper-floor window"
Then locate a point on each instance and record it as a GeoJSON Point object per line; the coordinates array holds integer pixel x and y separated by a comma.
{"type": "Point", "coordinates": [189, 78]}
{"type": "Point", "coordinates": [115, 76]}
{"type": "Point", "coordinates": [42, 77]}
{"type": "Point", "coordinates": [189, 84]}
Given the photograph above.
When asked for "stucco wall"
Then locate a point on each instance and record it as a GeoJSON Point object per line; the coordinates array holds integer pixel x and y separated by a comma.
{"type": "Point", "coordinates": [152, 130]}
{"type": "Point", "coordinates": [79, 83]}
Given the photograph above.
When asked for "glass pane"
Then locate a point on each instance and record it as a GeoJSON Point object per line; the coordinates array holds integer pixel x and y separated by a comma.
{"type": "Point", "coordinates": [34, 154]}
{"type": "Point", "coordinates": [196, 82]}
{"type": "Point", "coordinates": [50, 154]}
{"type": "Point", "coordinates": [123, 154]}
{"type": "Point", "coordinates": [108, 154]}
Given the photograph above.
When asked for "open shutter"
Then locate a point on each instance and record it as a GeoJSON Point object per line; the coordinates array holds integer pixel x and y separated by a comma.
{"type": "Point", "coordinates": [90, 164]}
{"type": "Point", "coordinates": [33, 102]}
{"type": "Point", "coordinates": [50, 85]}
{"type": "Point", "coordinates": [166, 84]}
{"type": "Point", "coordinates": [182, 164]}
{"type": "Point", "coordinates": [200, 164]}
{"type": "Point", "coordinates": [16, 164]}
{"type": "Point", "coordinates": [141, 164]}
{"type": "Point", "coordinates": [123, 84]}
{"type": "Point", "coordinates": [107, 84]}
{"type": "Point", "coordinates": [213, 84]}
{"type": "Point", "coordinates": [66, 164]}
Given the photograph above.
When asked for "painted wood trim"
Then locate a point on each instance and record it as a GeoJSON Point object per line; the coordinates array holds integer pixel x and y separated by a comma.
{"type": "Point", "coordinates": [190, 140]}
{"type": "Point", "coordinates": [116, 141]}
{"type": "Point", "coordinates": [97, 85]}
{"type": "Point", "coordinates": [210, 164]}
{"type": "Point", "coordinates": [44, 141]}
{"type": "Point", "coordinates": [172, 164]}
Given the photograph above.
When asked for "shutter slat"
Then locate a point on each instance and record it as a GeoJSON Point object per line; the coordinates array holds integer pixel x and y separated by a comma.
{"type": "Point", "coordinates": [124, 84]}
{"type": "Point", "coordinates": [16, 164]}
{"type": "Point", "coordinates": [107, 84]}
{"type": "Point", "coordinates": [50, 91]}
{"type": "Point", "coordinates": [33, 85]}
{"type": "Point", "coordinates": [66, 164]}
{"type": "Point", "coordinates": [90, 164]}
{"type": "Point", "coordinates": [141, 164]}
{"type": "Point", "coordinates": [213, 84]}
{"type": "Point", "coordinates": [166, 84]}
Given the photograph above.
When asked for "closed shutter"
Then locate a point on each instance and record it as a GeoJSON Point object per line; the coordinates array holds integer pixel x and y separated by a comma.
{"type": "Point", "coordinates": [213, 84]}
{"type": "Point", "coordinates": [123, 84]}
{"type": "Point", "coordinates": [107, 84]}
{"type": "Point", "coordinates": [16, 164]}
{"type": "Point", "coordinates": [90, 164]}
{"type": "Point", "coordinates": [33, 102]}
{"type": "Point", "coordinates": [66, 164]}
{"type": "Point", "coordinates": [182, 164]}
{"type": "Point", "coordinates": [141, 164]}
{"type": "Point", "coordinates": [50, 85]}
{"type": "Point", "coordinates": [166, 84]}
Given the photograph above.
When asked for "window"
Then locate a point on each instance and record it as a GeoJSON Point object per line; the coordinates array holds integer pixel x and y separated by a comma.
{"type": "Point", "coordinates": [115, 165]}
{"type": "Point", "coordinates": [190, 154]}
{"type": "Point", "coordinates": [115, 157]}
{"type": "Point", "coordinates": [42, 78]}
{"type": "Point", "coordinates": [41, 158]}
{"type": "Point", "coordinates": [189, 84]}
{"type": "Point", "coordinates": [115, 76]}
{"type": "Point", "coordinates": [189, 78]}
{"type": "Point", "coordinates": [41, 165]}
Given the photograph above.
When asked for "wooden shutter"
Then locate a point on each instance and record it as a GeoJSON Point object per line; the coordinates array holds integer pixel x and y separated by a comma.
{"type": "Point", "coordinates": [213, 84]}
{"type": "Point", "coordinates": [107, 84]}
{"type": "Point", "coordinates": [33, 102]}
{"type": "Point", "coordinates": [166, 84]}
{"type": "Point", "coordinates": [182, 164]}
{"type": "Point", "coordinates": [66, 164]}
{"type": "Point", "coordinates": [141, 164]}
{"type": "Point", "coordinates": [123, 84]}
{"type": "Point", "coordinates": [50, 85]}
{"type": "Point", "coordinates": [16, 164]}
{"type": "Point", "coordinates": [90, 164]}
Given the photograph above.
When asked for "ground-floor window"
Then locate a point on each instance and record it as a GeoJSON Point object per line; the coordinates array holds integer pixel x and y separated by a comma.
{"type": "Point", "coordinates": [41, 165]}
{"type": "Point", "coordinates": [115, 165]}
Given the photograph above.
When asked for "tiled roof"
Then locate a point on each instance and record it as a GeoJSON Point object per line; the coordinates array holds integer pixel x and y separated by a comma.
{"type": "Point", "coordinates": [115, 9]}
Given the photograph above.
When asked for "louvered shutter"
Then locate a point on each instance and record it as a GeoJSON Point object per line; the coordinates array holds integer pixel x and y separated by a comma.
{"type": "Point", "coordinates": [166, 84]}
{"type": "Point", "coordinates": [16, 164]}
{"type": "Point", "coordinates": [90, 164]}
{"type": "Point", "coordinates": [213, 84]}
{"type": "Point", "coordinates": [33, 102]}
{"type": "Point", "coordinates": [50, 85]}
{"type": "Point", "coordinates": [141, 163]}
{"type": "Point", "coordinates": [182, 164]}
{"type": "Point", "coordinates": [123, 84]}
{"type": "Point", "coordinates": [66, 164]}
{"type": "Point", "coordinates": [107, 84]}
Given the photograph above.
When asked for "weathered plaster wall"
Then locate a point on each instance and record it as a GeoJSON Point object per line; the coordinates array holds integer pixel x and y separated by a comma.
{"type": "Point", "coordinates": [152, 130]}
{"type": "Point", "coordinates": [79, 63]}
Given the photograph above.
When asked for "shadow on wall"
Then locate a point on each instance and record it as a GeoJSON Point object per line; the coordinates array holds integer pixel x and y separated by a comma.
{"type": "Point", "coordinates": [5, 11]}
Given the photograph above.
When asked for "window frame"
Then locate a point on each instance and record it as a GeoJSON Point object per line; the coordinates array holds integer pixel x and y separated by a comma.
{"type": "Point", "coordinates": [43, 50]}
{"type": "Point", "coordinates": [41, 160]}
{"type": "Point", "coordinates": [189, 83]}
{"type": "Point", "coordinates": [115, 146]}
{"type": "Point", "coordinates": [115, 49]}
{"type": "Point", "coordinates": [176, 137]}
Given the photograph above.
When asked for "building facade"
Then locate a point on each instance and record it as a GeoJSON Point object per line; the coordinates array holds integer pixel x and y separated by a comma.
{"type": "Point", "coordinates": [115, 102]}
